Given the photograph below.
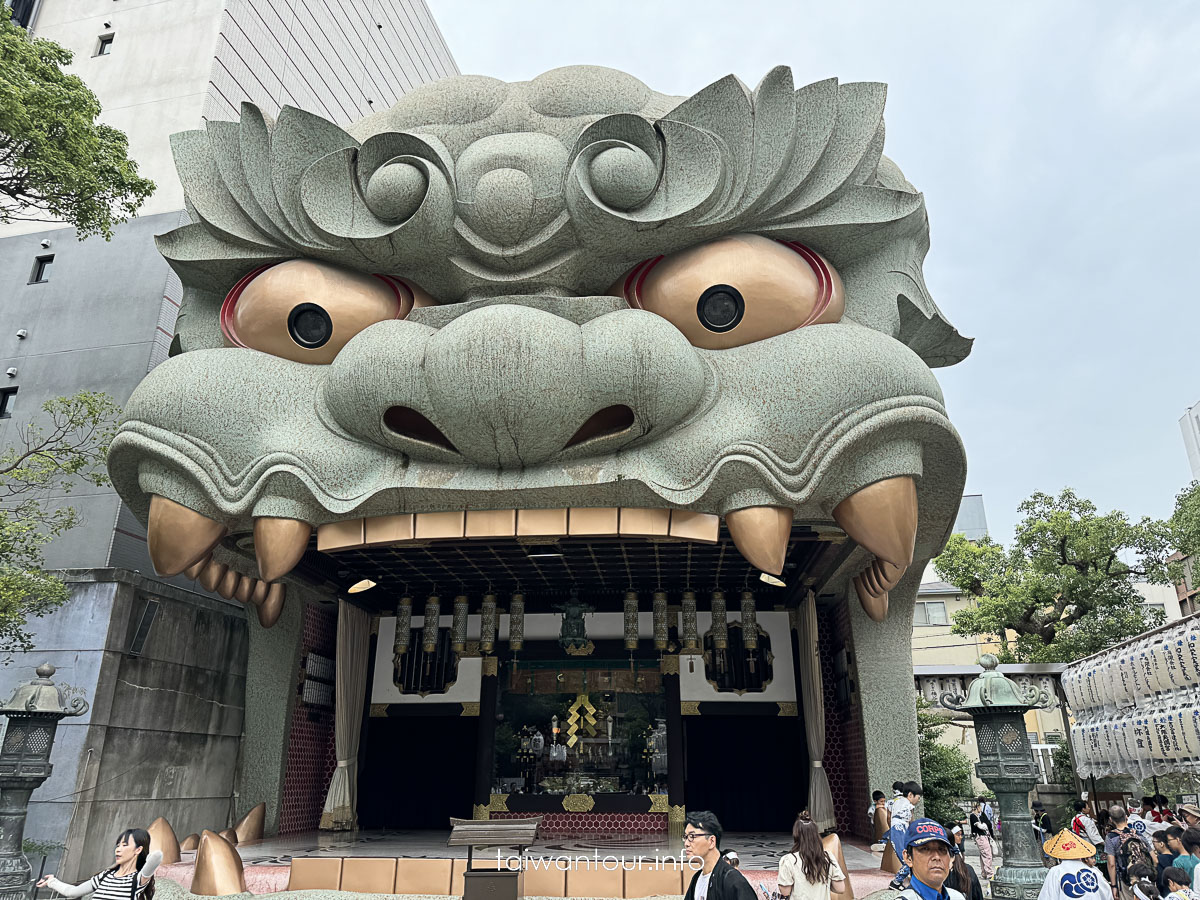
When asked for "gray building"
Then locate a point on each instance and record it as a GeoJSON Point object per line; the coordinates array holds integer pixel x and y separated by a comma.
{"type": "Point", "coordinates": [163, 663]}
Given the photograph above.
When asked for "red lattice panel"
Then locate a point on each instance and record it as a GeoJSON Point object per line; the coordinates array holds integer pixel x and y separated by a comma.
{"type": "Point", "coordinates": [845, 760]}
{"type": "Point", "coordinates": [573, 825]}
{"type": "Point", "coordinates": [311, 756]}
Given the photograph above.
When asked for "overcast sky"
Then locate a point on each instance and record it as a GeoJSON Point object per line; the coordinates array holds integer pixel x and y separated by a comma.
{"type": "Point", "coordinates": [1057, 147]}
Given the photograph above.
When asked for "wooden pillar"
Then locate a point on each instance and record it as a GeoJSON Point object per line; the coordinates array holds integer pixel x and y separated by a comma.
{"type": "Point", "coordinates": [485, 747]}
{"type": "Point", "coordinates": [675, 755]}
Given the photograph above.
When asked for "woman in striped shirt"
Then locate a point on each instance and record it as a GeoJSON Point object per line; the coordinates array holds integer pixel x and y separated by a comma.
{"type": "Point", "coordinates": [132, 878]}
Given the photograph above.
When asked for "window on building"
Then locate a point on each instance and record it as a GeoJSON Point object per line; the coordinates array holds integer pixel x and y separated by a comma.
{"type": "Point", "coordinates": [6, 401]}
{"type": "Point", "coordinates": [22, 12]}
{"type": "Point", "coordinates": [41, 269]}
{"type": "Point", "coordinates": [930, 612]}
{"type": "Point", "coordinates": [104, 48]}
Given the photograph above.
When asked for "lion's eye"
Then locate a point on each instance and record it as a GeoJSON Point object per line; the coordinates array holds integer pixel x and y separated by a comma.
{"type": "Point", "coordinates": [307, 311]}
{"type": "Point", "coordinates": [737, 290]}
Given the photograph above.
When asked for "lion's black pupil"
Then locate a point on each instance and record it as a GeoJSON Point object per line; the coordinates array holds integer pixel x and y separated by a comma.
{"type": "Point", "coordinates": [309, 325]}
{"type": "Point", "coordinates": [720, 307]}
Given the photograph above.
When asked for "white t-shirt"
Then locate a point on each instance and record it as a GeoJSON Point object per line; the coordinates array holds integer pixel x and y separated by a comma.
{"type": "Point", "coordinates": [702, 886]}
{"type": "Point", "coordinates": [902, 811]}
{"type": "Point", "coordinates": [791, 872]}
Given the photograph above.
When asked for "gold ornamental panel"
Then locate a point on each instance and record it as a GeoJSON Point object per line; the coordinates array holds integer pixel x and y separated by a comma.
{"type": "Point", "coordinates": [498, 803]}
{"type": "Point", "coordinates": [470, 708]}
{"type": "Point", "coordinates": [669, 665]}
{"type": "Point", "coordinates": [578, 802]}
{"type": "Point", "coordinates": [659, 804]}
{"type": "Point", "coordinates": [689, 707]}
{"type": "Point", "coordinates": [788, 708]}
{"type": "Point", "coordinates": [378, 710]}
{"type": "Point", "coordinates": [491, 665]}
{"type": "Point", "coordinates": [479, 812]}
{"type": "Point", "coordinates": [677, 813]}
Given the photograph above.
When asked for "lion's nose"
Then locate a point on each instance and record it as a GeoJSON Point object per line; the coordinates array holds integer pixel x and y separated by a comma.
{"type": "Point", "coordinates": [509, 386]}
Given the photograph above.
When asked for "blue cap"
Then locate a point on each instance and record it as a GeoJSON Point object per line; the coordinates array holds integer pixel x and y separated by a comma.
{"type": "Point", "coordinates": [922, 831]}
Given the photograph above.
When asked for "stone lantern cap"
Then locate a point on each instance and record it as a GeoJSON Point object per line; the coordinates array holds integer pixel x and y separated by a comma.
{"type": "Point", "coordinates": [42, 697]}
{"type": "Point", "coordinates": [994, 692]}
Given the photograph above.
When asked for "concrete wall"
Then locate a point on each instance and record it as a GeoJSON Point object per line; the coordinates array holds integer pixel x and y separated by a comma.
{"type": "Point", "coordinates": [342, 61]}
{"type": "Point", "coordinates": [94, 324]}
{"type": "Point", "coordinates": [163, 732]}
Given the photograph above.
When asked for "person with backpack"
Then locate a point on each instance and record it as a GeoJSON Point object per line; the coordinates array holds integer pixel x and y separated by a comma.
{"type": "Point", "coordinates": [1124, 849]}
{"type": "Point", "coordinates": [1073, 877]}
{"type": "Point", "coordinates": [132, 878]}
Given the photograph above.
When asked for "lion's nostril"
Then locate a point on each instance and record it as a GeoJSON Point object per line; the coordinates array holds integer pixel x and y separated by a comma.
{"type": "Point", "coordinates": [608, 421]}
{"type": "Point", "coordinates": [409, 423]}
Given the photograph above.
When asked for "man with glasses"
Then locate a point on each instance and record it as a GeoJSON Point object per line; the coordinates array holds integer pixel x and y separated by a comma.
{"type": "Point", "coordinates": [717, 879]}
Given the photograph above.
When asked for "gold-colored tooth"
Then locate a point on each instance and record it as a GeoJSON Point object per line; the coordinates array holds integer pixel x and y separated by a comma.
{"type": "Point", "coordinates": [229, 583]}
{"type": "Point", "coordinates": [761, 534]}
{"type": "Point", "coordinates": [259, 594]}
{"type": "Point", "coordinates": [279, 544]}
{"type": "Point", "coordinates": [882, 518]}
{"type": "Point", "coordinates": [193, 572]}
{"type": "Point", "coordinates": [875, 606]}
{"type": "Point", "coordinates": [245, 588]}
{"type": "Point", "coordinates": [178, 537]}
{"type": "Point", "coordinates": [272, 606]}
{"type": "Point", "coordinates": [212, 574]}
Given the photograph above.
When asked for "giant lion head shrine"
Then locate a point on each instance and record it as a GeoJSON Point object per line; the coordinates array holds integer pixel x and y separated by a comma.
{"type": "Point", "coordinates": [606, 418]}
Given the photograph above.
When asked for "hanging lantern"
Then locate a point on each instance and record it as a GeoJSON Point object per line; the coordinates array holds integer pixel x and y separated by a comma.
{"type": "Point", "coordinates": [516, 622]}
{"type": "Point", "coordinates": [691, 640]}
{"type": "Point", "coordinates": [403, 629]}
{"type": "Point", "coordinates": [433, 613]}
{"type": "Point", "coordinates": [720, 621]}
{"type": "Point", "coordinates": [487, 624]}
{"type": "Point", "coordinates": [631, 620]}
{"type": "Point", "coordinates": [458, 629]}
{"type": "Point", "coordinates": [660, 620]}
{"type": "Point", "coordinates": [749, 621]}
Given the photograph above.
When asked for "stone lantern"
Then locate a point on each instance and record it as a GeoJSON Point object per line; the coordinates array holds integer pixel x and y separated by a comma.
{"type": "Point", "coordinates": [33, 714]}
{"type": "Point", "coordinates": [998, 705]}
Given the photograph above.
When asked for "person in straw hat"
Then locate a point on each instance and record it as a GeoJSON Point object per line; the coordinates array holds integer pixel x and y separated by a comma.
{"type": "Point", "coordinates": [1074, 877]}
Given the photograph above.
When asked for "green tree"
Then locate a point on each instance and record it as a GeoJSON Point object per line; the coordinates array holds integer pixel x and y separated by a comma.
{"type": "Point", "coordinates": [945, 770]}
{"type": "Point", "coordinates": [49, 458]}
{"type": "Point", "coordinates": [1064, 589]}
{"type": "Point", "coordinates": [57, 163]}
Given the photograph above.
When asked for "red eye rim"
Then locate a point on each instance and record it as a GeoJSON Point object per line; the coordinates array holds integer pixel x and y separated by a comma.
{"type": "Point", "coordinates": [404, 300]}
{"type": "Point", "coordinates": [631, 290]}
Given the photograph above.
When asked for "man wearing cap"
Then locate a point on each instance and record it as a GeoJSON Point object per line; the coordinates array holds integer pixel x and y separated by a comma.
{"type": "Point", "coordinates": [927, 850]}
{"type": "Point", "coordinates": [1074, 877]}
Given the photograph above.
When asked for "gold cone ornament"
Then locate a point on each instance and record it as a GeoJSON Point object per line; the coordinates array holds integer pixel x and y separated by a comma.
{"type": "Point", "coordinates": [487, 624]}
{"type": "Point", "coordinates": [250, 826]}
{"type": "Point", "coordinates": [162, 839]}
{"type": "Point", "coordinates": [631, 620]}
{"type": "Point", "coordinates": [218, 871]}
{"type": "Point", "coordinates": [660, 620]}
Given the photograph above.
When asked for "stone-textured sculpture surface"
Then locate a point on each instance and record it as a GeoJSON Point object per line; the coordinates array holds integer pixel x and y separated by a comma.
{"type": "Point", "coordinates": [569, 292]}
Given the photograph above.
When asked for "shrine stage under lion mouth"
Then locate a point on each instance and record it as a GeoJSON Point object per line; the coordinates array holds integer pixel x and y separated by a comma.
{"type": "Point", "coordinates": [267, 861]}
{"type": "Point", "coordinates": [757, 850]}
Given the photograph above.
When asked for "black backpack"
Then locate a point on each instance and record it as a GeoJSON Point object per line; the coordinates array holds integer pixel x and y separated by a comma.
{"type": "Point", "coordinates": [1131, 852]}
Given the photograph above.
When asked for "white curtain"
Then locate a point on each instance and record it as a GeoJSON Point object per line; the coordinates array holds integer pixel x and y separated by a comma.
{"type": "Point", "coordinates": [820, 799]}
{"type": "Point", "coordinates": [350, 689]}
